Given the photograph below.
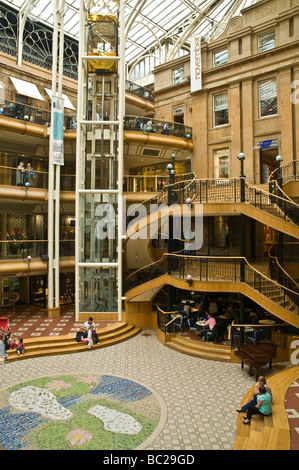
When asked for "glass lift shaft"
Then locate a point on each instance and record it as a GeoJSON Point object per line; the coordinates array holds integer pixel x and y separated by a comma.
{"type": "Point", "coordinates": [99, 166]}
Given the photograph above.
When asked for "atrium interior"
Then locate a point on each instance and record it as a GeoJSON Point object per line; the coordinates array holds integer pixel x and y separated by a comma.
{"type": "Point", "coordinates": [149, 180]}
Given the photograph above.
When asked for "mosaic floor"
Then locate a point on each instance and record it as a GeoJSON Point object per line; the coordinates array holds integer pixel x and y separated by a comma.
{"type": "Point", "coordinates": [99, 412]}
{"type": "Point", "coordinates": [192, 401]}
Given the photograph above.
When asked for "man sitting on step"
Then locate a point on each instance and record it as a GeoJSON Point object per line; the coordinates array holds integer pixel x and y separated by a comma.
{"type": "Point", "coordinates": [90, 325]}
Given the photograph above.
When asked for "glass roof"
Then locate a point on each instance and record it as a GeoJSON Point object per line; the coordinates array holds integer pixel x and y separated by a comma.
{"type": "Point", "coordinates": [150, 22]}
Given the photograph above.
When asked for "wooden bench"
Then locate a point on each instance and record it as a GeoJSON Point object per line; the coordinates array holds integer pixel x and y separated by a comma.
{"type": "Point", "coordinates": [268, 432]}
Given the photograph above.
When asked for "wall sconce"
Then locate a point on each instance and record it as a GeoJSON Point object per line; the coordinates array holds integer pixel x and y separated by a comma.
{"type": "Point", "coordinates": [188, 200]}
{"type": "Point", "coordinates": [189, 279]}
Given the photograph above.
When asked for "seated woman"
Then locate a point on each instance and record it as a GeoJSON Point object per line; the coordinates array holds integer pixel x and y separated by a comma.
{"type": "Point", "coordinates": [263, 406]}
{"type": "Point", "coordinates": [209, 325]}
{"type": "Point", "coordinates": [261, 381]}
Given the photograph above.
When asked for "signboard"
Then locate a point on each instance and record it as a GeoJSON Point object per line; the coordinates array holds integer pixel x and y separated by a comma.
{"type": "Point", "coordinates": [57, 131]}
{"type": "Point", "coordinates": [195, 64]}
{"type": "Point", "coordinates": [220, 102]}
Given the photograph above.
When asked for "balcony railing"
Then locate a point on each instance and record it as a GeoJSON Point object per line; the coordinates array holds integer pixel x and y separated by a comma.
{"type": "Point", "coordinates": [131, 183]}
{"type": "Point", "coordinates": [19, 249]}
{"type": "Point", "coordinates": [156, 126]}
{"type": "Point", "coordinates": [238, 190]}
{"type": "Point", "coordinates": [138, 90]}
{"type": "Point", "coordinates": [211, 269]}
{"type": "Point", "coordinates": [148, 183]}
{"type": "Point", "coordinates": [26, 113]}
{"type": "Point", "coordinates": [289, 172]}
{"type": "Point", "coordinates": [16, 177]}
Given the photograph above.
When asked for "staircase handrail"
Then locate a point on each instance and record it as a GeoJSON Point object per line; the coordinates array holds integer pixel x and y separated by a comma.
{"type": "Point", "coordinates": [163, 195]}
{"type": "Point", "coordinates": [283, 167]}
{"type": "Point", "coordinates": [240, 259]}
{"type": "Point", "coordinates": [293, 281]}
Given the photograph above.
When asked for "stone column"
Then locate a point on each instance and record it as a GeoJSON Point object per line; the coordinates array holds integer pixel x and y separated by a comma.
{"type": "Point", "coordinates": [200, 134]}
{"type": "Point", "coordinates": [235, 120]}
{"type": "Point", "coordinates": [247, 131]}
{"type": "Point", "coordinates": [284, 103]}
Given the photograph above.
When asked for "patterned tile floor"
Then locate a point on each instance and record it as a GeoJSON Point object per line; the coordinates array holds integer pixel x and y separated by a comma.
{"type": "Point", "coordinates": [199, 397]}
{"type": "Point", "coordinates": [29, 321]}
{"type": "Point", "coordinates": [292, 410]}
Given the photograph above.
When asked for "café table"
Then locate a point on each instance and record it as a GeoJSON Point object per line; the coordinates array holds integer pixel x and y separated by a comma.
{"type": "Point", "coordinates": [267, 322]}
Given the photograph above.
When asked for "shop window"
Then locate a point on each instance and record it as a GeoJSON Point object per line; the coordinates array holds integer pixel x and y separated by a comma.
{"type": "Point", "coordinates": [220, 111]}
{"type": "Point", "coordinates": [178, 75]}
{"type": "Point", "coordinates": [268, 97]}
{"type": "Point", "coordinates": [220, 58]}
{"type": "Point", "coordinates": [221, 163]}
{"type": "Point", "coordinates": [266, 42]}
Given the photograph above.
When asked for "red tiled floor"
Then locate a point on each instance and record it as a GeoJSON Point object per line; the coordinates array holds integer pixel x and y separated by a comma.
{"type": "Point", "coordinates": [28, 321]}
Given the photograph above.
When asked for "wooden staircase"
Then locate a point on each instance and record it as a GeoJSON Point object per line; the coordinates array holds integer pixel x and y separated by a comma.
{"type": "Point", "coordinates": [66, 344]}
{"type": "Point", "coordinates": [201, 349]}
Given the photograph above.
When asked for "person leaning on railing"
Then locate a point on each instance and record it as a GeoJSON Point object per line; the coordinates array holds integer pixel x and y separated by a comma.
{"type": "Point", "coordinates": [21, 174]}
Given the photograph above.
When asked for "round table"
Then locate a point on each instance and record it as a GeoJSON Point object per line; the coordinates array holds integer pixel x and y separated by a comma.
{"type": "Point", "coordinates": [267, 322]}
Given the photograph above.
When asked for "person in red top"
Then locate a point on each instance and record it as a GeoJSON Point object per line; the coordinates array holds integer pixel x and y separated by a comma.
{"type": "Point", "coordinates": [209, 325]}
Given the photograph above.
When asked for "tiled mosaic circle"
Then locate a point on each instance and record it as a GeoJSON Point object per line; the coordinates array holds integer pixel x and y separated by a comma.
{"type": "Point", "coordinates": [79, 413]}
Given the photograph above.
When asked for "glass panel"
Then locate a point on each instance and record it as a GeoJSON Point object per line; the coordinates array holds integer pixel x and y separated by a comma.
{"type": "Point", "coordinates": [220, 109]}
{"type": "Point", "coordinates": [98, 228]}
{"type": "Point", "coordinates": [267, 41]}
{"type": "Point", "coordinates": [98, 290]}
{"type": "Point", "coordinates": [268, 98]}
{"type": "Point", "coordinates": [220, 58]}
{"type": "Point", "coordinates": [178, 75]}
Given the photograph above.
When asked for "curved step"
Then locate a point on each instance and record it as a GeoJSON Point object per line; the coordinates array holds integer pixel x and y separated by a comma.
{"type": "Point", "coordinates": [55, 345]}
{"type": "Point", "coordinates": [204, 350]}
{"type": "Point", "coordinates": [273, 432]}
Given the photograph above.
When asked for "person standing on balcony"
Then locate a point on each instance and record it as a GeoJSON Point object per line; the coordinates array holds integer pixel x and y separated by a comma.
{"type": "Point", "coordinates": [21, 174]}
{"type": "Point", "coordinates": [30, 174]}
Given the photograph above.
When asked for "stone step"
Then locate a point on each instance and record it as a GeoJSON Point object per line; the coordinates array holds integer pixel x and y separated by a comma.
{"type": "Point", "coordinates": [204, 350]}
{"type": "Point", "coordinates": [50, 346]}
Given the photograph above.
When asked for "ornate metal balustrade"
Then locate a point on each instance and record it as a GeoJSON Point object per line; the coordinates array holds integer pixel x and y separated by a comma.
{"type": "Point", "coordinates": [211, 269]}
{"type": "Point", "coordinates": [37, 42]}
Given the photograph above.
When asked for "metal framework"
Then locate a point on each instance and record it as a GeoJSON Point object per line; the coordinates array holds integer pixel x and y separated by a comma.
{"type": "Point", "coordinates": [99, 163]}
{"type": "Point", "coordinates": [153, 28]}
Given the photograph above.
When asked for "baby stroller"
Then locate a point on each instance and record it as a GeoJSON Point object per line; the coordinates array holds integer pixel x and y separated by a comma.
{"type": "Point", "coordinates": [4, 324]}
{"type": "Point", "coordinates": [4, 327]}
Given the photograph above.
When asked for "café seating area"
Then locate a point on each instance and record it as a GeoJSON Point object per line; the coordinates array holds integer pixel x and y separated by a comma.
{"type": "Point", "coordinates": [190, 314]}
